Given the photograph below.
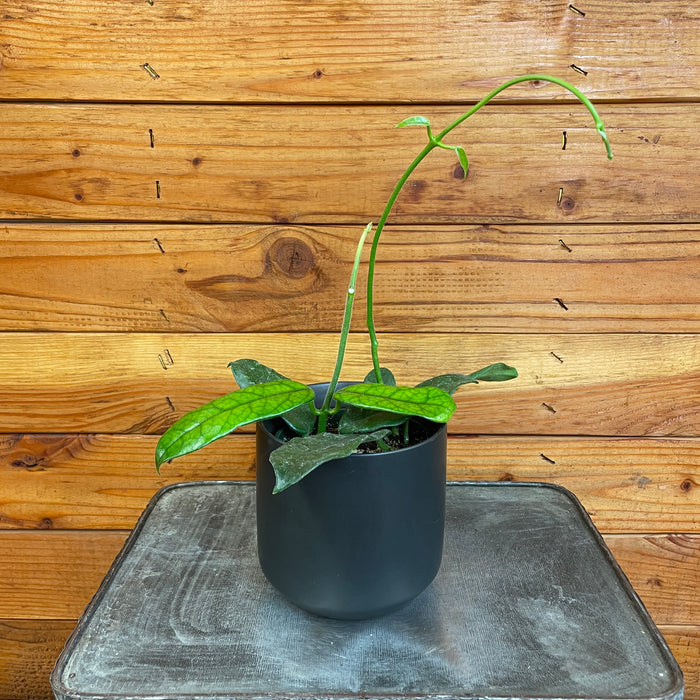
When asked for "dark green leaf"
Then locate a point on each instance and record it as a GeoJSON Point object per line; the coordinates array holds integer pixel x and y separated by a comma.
{"type": "Point", "coordinates": [363, 420]}
{"type": "Point", "coordinates": [498, 372]}
{"type": "Point", "coordinates": [414, 121]}
{"type": "Point", "coordinates": [250, 372]}
{"type": "Point", "coordinates": [387, 377]}
{"type": "Point", "coordinates": [301, 419]}
{"type": "Point", "coordinates": [223, 415]}
{"type": "Point", "coordinates": [427, 402]}
{"type": "Point", "coordinates": [293, 460]}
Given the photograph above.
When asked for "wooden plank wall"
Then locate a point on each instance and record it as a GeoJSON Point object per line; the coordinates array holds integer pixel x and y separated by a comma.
{"type": "Point", "coordinates": [182, 184]}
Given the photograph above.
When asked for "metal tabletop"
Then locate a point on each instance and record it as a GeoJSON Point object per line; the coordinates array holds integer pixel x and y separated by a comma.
{"type": "Point", "coordinates": [529, 603]}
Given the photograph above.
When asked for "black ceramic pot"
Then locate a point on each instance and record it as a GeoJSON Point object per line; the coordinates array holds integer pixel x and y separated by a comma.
{"type": "Point", "coordinates": [358, 537]}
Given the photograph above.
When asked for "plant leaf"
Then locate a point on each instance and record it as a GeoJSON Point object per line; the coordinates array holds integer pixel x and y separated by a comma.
{"type": "Point", "coordinates": [463, 160]}
{"type": "Point", "coordinates": [387, 377]}
{"type": "Point", "coordinates": [498, 372]}
{"type": "Point", "coordinates": [362, 420]}
{"type": "Point", "coordinates": [223, 415]}
{"type": "Point", "coordinates": [428, 402]}
{"type": "Point", "coordinates": [296, 458]}
{"type": "Point", "coordinates": [413, 121]}
{"type": "Point", "coordinates": [250, 372]}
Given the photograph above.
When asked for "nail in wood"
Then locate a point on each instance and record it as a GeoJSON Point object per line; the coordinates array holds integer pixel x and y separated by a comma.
{"type": "Point", "coordinates": [150, 70]}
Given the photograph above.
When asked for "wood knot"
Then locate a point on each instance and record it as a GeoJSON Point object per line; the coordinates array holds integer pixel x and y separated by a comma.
{"type": "Point", "coordinates": [458, 172]}
{"type": "Point", "coordinates": [686, 485]}
{"type": "Point", "coordinates": [292, 256]}
{"type": "Point", "coordinates": [567, 204]}
{"type": "Point", "coordinates": [29, 462]}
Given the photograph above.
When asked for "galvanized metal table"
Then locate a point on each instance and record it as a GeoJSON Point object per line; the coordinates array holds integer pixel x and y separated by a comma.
{"type": "Point", "coordinates": [529, 603]}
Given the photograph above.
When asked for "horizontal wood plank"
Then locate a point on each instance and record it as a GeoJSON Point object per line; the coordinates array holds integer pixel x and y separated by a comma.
{"type": "Point", "coordinates": [664, 570]}
{"type": "Point", "coordinates": [54, 574]}
{"type": "Point", "coordinates": [28, 652]}
{"type": "Point", "coordinates": [293, 278]}
{"type": "Point", "coordinates": [339, 164]}
{"type": "Point", "coordinates": [570, 384]}
{"type": "Point", "coordinates": [684, 642]}
{"type": "Point", "coordinates": [380, 51]}
{"type": "Point", "coordinates": [105, 481]}
{"type": "Point", "coordinates": [29, 648]}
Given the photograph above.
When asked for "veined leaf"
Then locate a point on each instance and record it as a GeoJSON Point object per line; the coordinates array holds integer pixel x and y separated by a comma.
{"type": "Point", "coordinates": [250, 372]}
{"type": "Point", "coordinates": [223, 415]}
{"type": "Point", "coordinates": [293, 460]}
{"type": "Point", "coordinates": [364, 420]}
{"type": "Point", "coordinates": [497, 372]}
{"type": "Point", "coordinates": [428, 402]}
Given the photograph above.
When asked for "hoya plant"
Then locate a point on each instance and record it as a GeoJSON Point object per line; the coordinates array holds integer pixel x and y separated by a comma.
{"type": "Point", "coordinates": [374, 412]}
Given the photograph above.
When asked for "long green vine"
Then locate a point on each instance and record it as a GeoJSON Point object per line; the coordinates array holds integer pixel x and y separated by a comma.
{"type": "Point", "coordinates": [437, 142]}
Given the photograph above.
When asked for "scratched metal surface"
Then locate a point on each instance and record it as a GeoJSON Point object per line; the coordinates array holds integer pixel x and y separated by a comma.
{"type": "Point", "coordinates": [528, 604]}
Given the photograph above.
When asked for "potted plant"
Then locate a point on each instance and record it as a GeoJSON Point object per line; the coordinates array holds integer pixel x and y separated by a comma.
{"type": "Point", "coordinates": [362, 535]}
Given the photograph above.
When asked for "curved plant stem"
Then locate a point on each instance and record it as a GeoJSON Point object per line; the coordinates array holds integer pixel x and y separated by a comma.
{"type": "Point", "coordinates": [347, 317]}
{"type": "Point", "coordinates": [436, 142]}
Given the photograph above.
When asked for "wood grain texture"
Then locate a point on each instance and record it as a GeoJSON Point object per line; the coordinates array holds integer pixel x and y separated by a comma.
{"type": "Point", "coordinates": [217, 278]}
{"type": "Point", "coordinates": [606, 385]}
{"type": "Point", "coordinates": [334, 50]}
{"type": "Point", "coordinates": [54, 574]}
{"type": "Point", "coordinates": [664, 570]}
{"type": "Point", "coordinates": [105, 481]}
{"type": "Point", "coordinates": [319, 164]}
{"type": "Point", "coordinates": [28, 651]}
{"type": "Point", "coordinates": [29, 648]}
{"type": "Point", "coordinates": [684, 642]}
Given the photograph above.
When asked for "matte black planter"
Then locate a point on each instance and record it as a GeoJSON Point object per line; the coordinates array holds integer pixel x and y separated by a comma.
{"type": "Point", "coordinates": [358, 537]}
